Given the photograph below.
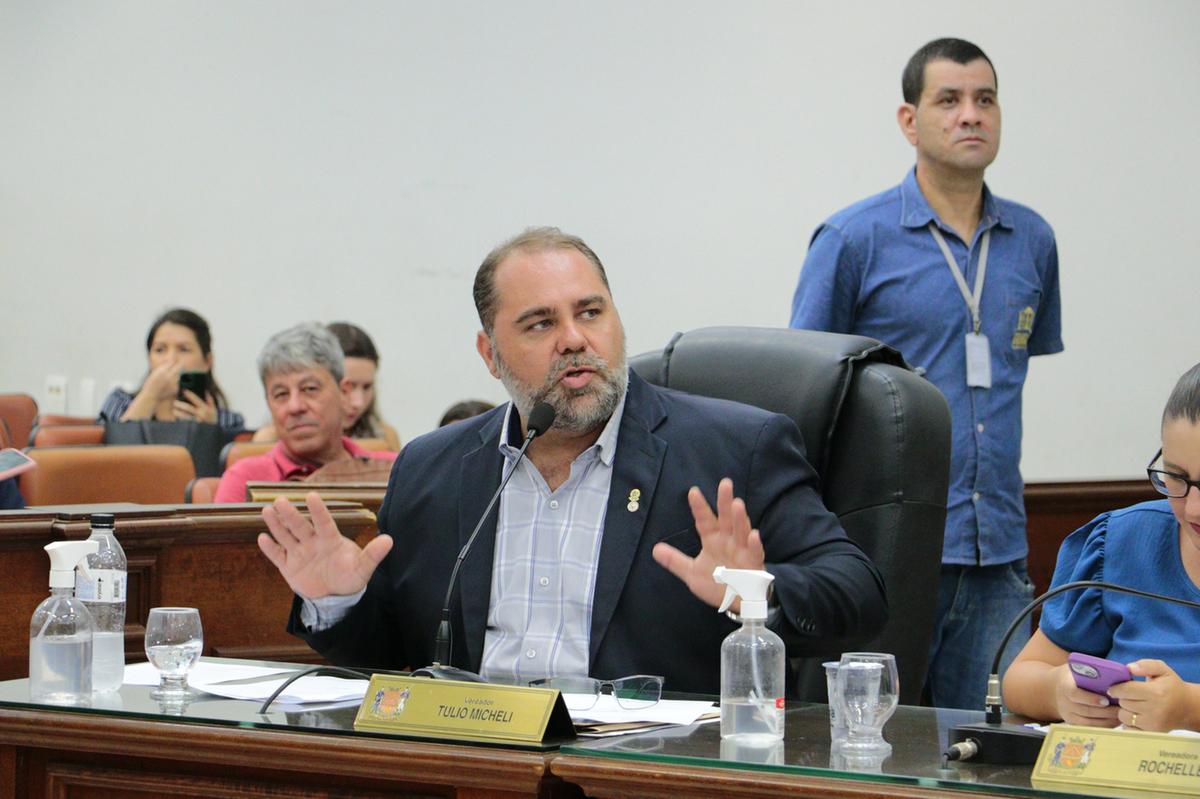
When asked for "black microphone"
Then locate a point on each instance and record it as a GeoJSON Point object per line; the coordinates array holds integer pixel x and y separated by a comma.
{"type": "Point", "coordinates": [1013, 744]}
{"type": "Point", "coordinates": [541, 417]}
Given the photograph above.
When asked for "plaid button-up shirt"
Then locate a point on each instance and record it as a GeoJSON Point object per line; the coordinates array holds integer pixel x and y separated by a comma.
{"type": "Point", "coordinates": [544, 568]}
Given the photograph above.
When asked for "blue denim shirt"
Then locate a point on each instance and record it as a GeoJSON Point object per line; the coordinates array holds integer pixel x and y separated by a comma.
{"type": "Point", "coordinates": [874, 269]}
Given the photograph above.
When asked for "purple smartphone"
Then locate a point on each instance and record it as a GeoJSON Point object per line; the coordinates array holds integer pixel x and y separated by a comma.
{"type": "Point", "coordinates": [1096, 674]}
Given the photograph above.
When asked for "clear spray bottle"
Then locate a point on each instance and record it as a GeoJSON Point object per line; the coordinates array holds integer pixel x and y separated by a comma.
{"type": "Point", "coordinates": [752, 663]}
{"type": "Point", "coordinates": [60, 632]}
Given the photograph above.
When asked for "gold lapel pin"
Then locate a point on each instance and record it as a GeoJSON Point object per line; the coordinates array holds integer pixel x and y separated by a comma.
{"type": "Point", "coordinates": [634, 496]}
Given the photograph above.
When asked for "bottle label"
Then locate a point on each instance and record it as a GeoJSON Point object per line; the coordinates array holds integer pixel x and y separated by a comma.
{"type": "Point", "coordinates": [108, 585]}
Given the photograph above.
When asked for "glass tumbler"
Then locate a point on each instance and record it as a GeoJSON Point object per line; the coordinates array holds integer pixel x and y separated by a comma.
{"type": "Point", "coordinates": [174, 640]}
{"type": "Point", "coordinates": [875, 682]}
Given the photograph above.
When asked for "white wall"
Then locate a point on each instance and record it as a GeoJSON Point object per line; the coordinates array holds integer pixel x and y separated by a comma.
{"type": "Point", "coordinates": [270, 162]}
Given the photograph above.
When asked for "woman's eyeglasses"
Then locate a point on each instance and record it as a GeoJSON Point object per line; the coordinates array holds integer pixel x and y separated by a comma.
{"type": "Point", "coordinates": [1173, 485]}
{"type": "Point", "coordinates": [582, 693]}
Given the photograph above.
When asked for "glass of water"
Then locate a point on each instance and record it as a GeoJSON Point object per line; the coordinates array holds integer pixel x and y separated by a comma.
{"type": "Point", "coordinates": [174, 640]}
{"type": "Point", "coordinates": [874, 691]}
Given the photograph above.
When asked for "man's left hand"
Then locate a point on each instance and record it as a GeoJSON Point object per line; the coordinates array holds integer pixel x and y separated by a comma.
{"type": "Point", "coordinates": [726, 539]}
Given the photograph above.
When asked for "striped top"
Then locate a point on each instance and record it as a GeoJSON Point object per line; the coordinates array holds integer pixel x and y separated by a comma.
{"type": "Point", "coordinates": [118, 401]}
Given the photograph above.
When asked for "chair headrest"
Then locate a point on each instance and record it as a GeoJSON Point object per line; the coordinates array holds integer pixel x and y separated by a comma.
{"type": "Point", "coordinates": [803, 374]}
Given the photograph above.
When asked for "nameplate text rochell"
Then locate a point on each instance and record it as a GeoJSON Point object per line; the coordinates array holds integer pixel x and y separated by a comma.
{"type": "Point", "coordinates": [457, 710]}
{"type": "Point", "coordinates": [1127, 760]}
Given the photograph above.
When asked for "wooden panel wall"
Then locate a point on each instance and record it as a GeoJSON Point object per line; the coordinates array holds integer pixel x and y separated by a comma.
{"type": "Point", "coordinates": [1055, 510]}
{"type": "Point", "coordinates": [202, 556]}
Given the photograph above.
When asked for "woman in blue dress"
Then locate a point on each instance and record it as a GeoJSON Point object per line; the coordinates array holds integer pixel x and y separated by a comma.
{"type": "Point", "coordinates": [1153, 546]}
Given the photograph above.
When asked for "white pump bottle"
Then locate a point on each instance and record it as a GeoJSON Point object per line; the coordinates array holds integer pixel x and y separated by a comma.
{"type": "Point", "coordinates": [752, 663]}
{"type": "Point", "coordinates": [60, 632]}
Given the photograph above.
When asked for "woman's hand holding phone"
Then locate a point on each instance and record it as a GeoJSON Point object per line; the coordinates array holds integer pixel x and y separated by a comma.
{"type": "Point", "coordinates": [1161, 702]}
{"type": "Point", "coordinates": [13, 462]}
{"type": "Point", "coordinates": [1080, 706]}
{"type": "Point", "coordinates": [193, 407]}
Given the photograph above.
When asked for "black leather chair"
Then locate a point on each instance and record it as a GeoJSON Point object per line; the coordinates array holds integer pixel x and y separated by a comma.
{"type": "Point", "coordinates": [878, 435]}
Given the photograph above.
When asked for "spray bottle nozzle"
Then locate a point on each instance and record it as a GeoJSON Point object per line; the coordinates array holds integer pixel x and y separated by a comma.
{"type": "Point", "coordinates": [65, 556]}
{"type": "Point", "coordinates": [750, 584]}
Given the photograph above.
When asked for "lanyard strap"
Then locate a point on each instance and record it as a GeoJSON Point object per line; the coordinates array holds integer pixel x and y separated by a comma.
{"type": "Point", "coordinates": [971, 299]}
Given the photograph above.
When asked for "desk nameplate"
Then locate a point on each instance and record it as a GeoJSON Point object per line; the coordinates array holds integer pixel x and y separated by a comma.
{"type": "Point", "coordinates": [449, 709]}
{"type": "Point", "coordinates": [1074, 757]}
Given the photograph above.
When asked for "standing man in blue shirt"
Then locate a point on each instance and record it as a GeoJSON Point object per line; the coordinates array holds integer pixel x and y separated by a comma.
{"type": "Point", "coordinates": [965, 285]}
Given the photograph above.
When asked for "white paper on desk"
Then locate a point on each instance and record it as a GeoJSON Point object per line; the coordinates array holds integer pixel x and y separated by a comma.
{"type": "Point", "coordinates": [204, 671]}
{"type": "Point", "coordinates": [311, 688]}
{"type": "Point", "coordinates": [665, 711]}
{"type": "Point", "coordinates": [1046, 729]}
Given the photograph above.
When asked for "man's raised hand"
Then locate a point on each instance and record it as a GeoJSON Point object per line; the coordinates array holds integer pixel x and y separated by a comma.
{"type": "Point", "coordinates": [313, 556]}
{"type": "Point", "coordinates": [726, 539]}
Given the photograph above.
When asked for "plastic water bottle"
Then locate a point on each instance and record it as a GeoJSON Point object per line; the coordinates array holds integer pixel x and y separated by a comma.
{"type": "Point", "coordinates": [752, 664]}
{"type": "Point", "coordinates": [60, 632]}
{"type": "Point", "coordinates": [103, 591]}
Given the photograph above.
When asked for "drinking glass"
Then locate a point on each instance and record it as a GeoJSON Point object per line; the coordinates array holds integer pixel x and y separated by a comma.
{"type": "Point", "coordinates": [174, 640]}
{"type": "Point", "coordinates": [875, 691]}
{"type": "Point", "coordinates": [837, 719]}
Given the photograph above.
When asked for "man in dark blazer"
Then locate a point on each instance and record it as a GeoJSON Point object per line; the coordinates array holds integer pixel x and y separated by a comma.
{"type": "Point", "coordinates": [653, 457]}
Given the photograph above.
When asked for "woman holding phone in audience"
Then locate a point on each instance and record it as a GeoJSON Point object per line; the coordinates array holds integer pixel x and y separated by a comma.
{"type": "Point", "coordinates": [179, 351]}
{"type": "Point", "coordinates": [361, 361]}
{"type": "Point", "coordinates": [1153, 546]}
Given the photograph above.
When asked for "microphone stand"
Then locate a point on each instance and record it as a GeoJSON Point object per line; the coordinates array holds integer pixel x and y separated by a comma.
{"type": "Point", "coordinates": [540, 420]}
{"type": "Point", "coordinates": [994, 742]}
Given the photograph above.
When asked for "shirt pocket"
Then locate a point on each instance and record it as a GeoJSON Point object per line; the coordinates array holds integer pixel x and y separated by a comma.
{"type": "Point", "coordinates": [1020, 316]}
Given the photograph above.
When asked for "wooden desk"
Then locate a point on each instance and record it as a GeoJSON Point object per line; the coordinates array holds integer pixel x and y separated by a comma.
{"type": "Point", "coordinates": [49, 753]}
{"type": "Point", "coordinates": [369, 495]}
{"type": "Point", "coordinates": [202, 556]}
{"type": "Point", "coordinates": [609, 779]}
{"type": "Point", "coordinates": [221, 748]}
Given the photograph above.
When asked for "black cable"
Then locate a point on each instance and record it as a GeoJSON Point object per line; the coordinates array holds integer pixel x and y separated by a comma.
{"type": "Point", "coordinates": [994, 710]}
{"type": "Point", "coordinates": [540, 420]}
{"type": "Point", "coordinates": [357, 674]}
{"type": "Point", "coordinates": [1012, 628]}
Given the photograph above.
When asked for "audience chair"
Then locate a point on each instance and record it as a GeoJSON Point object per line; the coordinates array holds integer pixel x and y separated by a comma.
{"type": "Point", "coordinates": [879, 437]}
{"type": "Point", "coordinates": [47, 419]}
{"type": "Point", "coordinates": [66, 435]}
{"type": "Point", "coordinates": [234, 451]}
{"type": "Point", "coordinates": [19, 411]}
{"type": "Point", "coordinates": [5, 437]}
{"type": "Point", "coordinates": [201, 490]}
{"type": "Point", "coordinates": [150, 475]}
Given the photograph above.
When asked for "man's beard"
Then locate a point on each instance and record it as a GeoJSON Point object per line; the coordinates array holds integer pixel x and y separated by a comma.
{"type": "Point", "coordinates": [606, 389]}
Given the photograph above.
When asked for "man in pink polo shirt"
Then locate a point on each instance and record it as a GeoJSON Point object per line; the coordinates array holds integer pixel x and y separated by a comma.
{"type": "Point", "coordinates": [301, 370]}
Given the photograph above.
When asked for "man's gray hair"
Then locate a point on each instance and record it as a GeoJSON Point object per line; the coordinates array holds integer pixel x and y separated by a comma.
{"type": "Point", "coordinates": [532, 240]}
{"type": "Point", "coordinates": [304, 346]}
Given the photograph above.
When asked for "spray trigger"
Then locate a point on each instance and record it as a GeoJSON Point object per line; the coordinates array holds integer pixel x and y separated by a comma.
{"type": "Point", "coordinates": [728, 600]}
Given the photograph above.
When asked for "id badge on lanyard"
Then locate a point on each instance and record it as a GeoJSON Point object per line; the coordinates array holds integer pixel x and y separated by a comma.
{"type": "Point", "coordinates": [979, 355]}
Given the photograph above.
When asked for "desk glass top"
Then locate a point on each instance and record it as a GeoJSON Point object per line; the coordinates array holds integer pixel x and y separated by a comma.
{"type": "Point", "coordinates": [135, 701]}
{"type": "Point", "coordinates": [918, 736]}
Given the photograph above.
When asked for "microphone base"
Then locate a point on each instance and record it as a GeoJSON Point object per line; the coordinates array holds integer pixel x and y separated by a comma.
{"type": "Point", "coordinates": [1001, 744]}
{"type": "Point", "coordinates": [440, 672]}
